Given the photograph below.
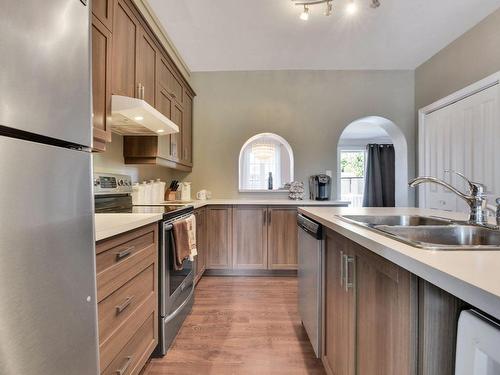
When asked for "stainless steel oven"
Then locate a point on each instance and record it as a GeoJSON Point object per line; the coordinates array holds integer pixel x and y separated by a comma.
{"type": "Point", "coordinates": [176, 287]}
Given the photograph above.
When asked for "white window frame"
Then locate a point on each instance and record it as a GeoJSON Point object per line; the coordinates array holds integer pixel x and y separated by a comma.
{"type": "Point", "coordinates": [277, 138]}
{"type": "Point", "coordinates": [340, 150]}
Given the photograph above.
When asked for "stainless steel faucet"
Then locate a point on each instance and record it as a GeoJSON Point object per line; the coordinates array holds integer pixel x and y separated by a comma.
{"type": "Point", "coordinates": [475, 198]}
{"type": "Point", "coordinates": [496, 211]}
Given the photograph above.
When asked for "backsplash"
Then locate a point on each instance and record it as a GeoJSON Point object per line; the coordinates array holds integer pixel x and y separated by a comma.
{"type": "Point", "coordinates": [112, 161]}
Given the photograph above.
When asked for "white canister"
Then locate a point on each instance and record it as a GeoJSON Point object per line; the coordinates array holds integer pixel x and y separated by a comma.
{"type": "Point", "coordinates": [161, 196]}
{"type": "Point", "coordinates": [156, 191]}
{"type": "Point", "coordinates": [135, 194]}
{"type": "Point", "coordinates": [142, 193]}
{"type": "Point", "coordinates": [148, 195]}
{"type": "Point", "coordinates": [186, 191]}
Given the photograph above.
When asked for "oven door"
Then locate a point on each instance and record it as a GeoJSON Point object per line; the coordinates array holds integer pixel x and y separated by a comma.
{"type": "Point", "coordinates": [175, 286]}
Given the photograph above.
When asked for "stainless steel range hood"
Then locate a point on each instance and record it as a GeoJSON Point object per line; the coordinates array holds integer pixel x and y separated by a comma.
{"type": "Point", "coordinates": [132, 116]}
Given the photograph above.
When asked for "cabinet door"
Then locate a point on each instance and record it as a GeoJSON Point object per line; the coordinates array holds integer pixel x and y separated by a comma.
{"type": "Point", "coordinates": [200, 241]}
{"type": "Point", "coordinates": [176, 139]}
{"type": "Point", "coordinates": [147, 57]}
{"type": "Point", "coordinates": [164, 105]}
{"type": "Point", "coordinates": [103, 10]}
{"type": "Point", "coordinates": [125, 27]}
{"type": "Point", "coordinates": [250, 237]}
{"type": "Point", "coordinates": [218, 224]}
{"type": "Point", "coordinates": [385, 316]}
{"type": "Point", "coordinates": [282, 238]}
{"type": "Point", "coordinates": [101, 84]}
{"type": "Point", "coordinates": [338, 315]}
{"type": "Point", "coordinates": [187, 131]}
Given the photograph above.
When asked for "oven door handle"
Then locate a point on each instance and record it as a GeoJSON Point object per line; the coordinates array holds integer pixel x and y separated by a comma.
{"type": "Point", "coordinates": [167, 227]}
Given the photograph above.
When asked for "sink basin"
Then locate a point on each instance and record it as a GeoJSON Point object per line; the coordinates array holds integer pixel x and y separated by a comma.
{"type": "Point", "coordinates": [400, 220]}
{"type": "Point", "coordinates": [451, 237]}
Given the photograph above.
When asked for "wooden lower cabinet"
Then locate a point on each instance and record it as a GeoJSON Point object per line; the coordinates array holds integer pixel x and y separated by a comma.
{"type": "Point", "coordinates": [127, 299]}
{"type": "Point", "coordinates": [282, 238]}
{"type": "Point", "coordinates": [250, 237]}
{"type": "Point", "coordinates": [437, 329]}
{"type": "Point", "coordinates": [245, 237]}
{"type": "Point", "coordinates": [370, 315]}
{"type": "Point", "coordinates": [201, 242]}
{"type": "Point", "coordinates": [219, 233]}
{"type": "Point", "coordinates": [339, 332]}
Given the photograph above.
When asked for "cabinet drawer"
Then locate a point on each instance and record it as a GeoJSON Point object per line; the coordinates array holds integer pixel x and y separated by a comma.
{"type": "Point", "coordinates": [116, 308]}
{"type": "Point", "coordinates": [132, 357]}
{"type": "Point", "coordinates": [110, 349]}
{"type": "Point", "coordinates": [118, 260]}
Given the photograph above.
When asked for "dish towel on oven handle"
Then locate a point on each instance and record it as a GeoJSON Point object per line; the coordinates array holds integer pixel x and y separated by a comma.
{"type": "Point", "coordinates": [184, 233]}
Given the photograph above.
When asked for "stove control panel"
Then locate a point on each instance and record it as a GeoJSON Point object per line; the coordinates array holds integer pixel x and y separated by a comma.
{"type": "Point", "coordinates": [110, 183]}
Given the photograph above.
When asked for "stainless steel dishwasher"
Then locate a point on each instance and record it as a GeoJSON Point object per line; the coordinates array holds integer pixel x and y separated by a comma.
{"type": "Point", "coordinates": [310, 275]}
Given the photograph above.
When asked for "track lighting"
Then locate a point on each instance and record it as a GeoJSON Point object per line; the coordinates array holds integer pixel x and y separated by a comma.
{"type": "Point", "coordinates": [329, 8]}
{"type": "Point", "coordinates": [351, 6]}
{"type": "Point", "coordinates": [305, 14]}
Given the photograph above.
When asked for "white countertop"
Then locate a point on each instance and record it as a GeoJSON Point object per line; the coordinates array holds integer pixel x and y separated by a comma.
{"type": "Point", "coordinates": [109, 225]}
{"type": "Point", "coordinates": [473, 276]}
{"type": "Point", "coordinates": [264, 202]}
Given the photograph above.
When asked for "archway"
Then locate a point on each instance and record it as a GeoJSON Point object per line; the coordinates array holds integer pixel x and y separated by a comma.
{"type": "Point", "coordinates": [376, 129]}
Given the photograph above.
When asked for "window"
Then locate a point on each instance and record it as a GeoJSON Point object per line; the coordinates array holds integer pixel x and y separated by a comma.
{"type": "Point", "coordinates": [261, 157]}
{"type": "Point", "coordinates": [352, 176]}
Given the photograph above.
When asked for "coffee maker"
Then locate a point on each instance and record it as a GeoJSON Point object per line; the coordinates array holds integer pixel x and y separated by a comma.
{"type": "Point", "coordinates": [320, 187]}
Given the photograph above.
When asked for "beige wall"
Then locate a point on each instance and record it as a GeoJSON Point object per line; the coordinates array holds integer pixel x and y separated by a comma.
{"type": "Point", "coordinates": [471, 57]}
{"type": "Point", "coordinates": [308, 108]}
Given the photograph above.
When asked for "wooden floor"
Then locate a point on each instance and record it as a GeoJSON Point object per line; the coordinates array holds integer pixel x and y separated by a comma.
{"type": "Point", "coordinates": [241, 325]}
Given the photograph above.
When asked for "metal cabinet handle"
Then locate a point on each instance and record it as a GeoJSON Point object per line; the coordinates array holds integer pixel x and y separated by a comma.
{"type": "Point", "coordinates": [143, 95]}
{"type": "Point", "coordinates": [347, 261]}
{"type": "Point", "coordinates": [342, 256]}
{"type": "Point", "coordinates": [124, 368]}
{"type": "Point", "coordinates": [265, 217]}
{"type": "Point", "coordinates": [124, 253]}
{"type": "Point", "coordinates": [120, 308]}
{"type": "Point", "coordinates": [269, 217]}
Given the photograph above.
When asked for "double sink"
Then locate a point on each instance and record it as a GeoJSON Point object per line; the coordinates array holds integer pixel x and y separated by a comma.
{"type": "Point", "coordinates": [430, 233]}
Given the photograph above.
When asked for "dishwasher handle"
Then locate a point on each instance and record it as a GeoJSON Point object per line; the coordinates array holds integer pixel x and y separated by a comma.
{"type": "Point", "coordinates": [310, 226]}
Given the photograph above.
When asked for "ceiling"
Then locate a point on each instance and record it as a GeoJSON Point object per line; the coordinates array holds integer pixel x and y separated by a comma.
{"type": "Point", "coordinates": [216, 35]}
{"type": "Point", "coordinates": [364, 130]}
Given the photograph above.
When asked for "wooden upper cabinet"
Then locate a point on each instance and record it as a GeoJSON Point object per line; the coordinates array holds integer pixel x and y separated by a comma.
{"type": "Point", "coordinates": [282, 238]}
{"type": "Point", "coordinates": [386, 306]}
{"type": "Point", "coordinates": [168, 80]}
{"type": "Point", "coordinates": [103, 10]}
{"type": "Point", "coordinates": [218, 227]}
{"type": "Point", "coordinates": [146, 75]}
{"type": "Point", "coordinates": [338, 322]}
{"type": "Point", "coordinates": [176, 139]}
{"type": "Point", "coordinates": [187, 131]}
{"type": "Point", "coordinates": [250, 237]}
{"type": "Point", "coordinates": [125, 36]}
{"type": "Point", "coordinates": [101, 84]}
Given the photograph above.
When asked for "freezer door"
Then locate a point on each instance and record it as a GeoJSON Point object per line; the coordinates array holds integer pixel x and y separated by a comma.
{"type": "Point", "coordinates": [48, 322]}
{"type": "Point", "coordinates": [45, 68]}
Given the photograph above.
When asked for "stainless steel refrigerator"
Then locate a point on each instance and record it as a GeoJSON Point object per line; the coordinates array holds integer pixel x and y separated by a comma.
{"type": "Point", "coordinates": [48, 317]}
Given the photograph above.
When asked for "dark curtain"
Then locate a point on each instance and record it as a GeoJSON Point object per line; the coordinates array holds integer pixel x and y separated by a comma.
{"type": "Point", "coordinates": [380, 176]}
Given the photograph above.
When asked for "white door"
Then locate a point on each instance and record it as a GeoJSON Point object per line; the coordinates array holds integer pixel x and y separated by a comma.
{"type": "Point", "coordinates": [462, 136]}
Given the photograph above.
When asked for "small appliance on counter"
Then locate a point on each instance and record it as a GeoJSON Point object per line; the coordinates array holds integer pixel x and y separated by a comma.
{"type": "Point", "coordinates": [320, 187]}
{"type": "Point", "coordinates": [204, 195]}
